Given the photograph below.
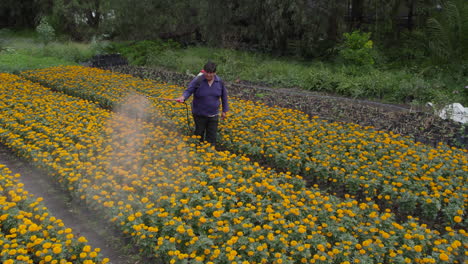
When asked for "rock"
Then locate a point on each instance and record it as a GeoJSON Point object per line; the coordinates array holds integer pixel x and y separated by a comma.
{"type": "Point", "coordinates": [456, 112]}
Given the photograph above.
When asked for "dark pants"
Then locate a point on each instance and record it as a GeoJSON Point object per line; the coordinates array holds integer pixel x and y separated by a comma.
{"type": "Point", "coordinates": [206, 128]}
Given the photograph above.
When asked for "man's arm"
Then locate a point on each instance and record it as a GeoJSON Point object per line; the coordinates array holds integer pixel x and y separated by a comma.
{"type": "Point", "coordinates": [189, 91]}
{"type": "Point", "coordinates": [224, 100]}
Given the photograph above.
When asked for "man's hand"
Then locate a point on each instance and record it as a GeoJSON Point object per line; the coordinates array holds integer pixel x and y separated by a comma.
{"type": "Point", "coordinates": [223, 115]}
{"type": "Point", "coordinates": [180, 99]}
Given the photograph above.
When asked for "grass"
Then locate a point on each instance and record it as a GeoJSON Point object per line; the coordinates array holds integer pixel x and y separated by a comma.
{"type": "Point", "coordinates": [415, 86]}
{"type": "Point", "coordinates": [376, 83]}
{"type": "Point", "coordinates": [20, 51]}
{"type": "Point", "coordinates": [15, 63]}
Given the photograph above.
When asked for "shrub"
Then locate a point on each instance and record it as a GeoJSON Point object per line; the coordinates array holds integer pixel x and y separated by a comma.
{"type": "Point", "coordinates": [357, 48]}
{"type": "Point", "coordinates": [168, 58]}
{"type": "Point", "coordinates": [321, 79]}
{"type": "Point", "coordinates": [46, 31]}
{"type": "Point", "coordinates": [142, 52]}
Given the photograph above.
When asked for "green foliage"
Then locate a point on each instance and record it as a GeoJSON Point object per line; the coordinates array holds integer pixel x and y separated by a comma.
{"type": "Point", "coordinates": [448, 32]}
{"type": "Point", "coordinates": [230, 62]}
{"type": "Point", "coordinates": [69, 51]}
{"type": "Point", "coordinates": [99, 45]}
{"type": "Point", "coordinates": [79, 19]}
{"type": "Point", "coordinates": [357, 48]}
{"type": "Point", "coordinates": [142, 20]}
{"type": "Point", "coordinates": [15, 62]}
{"type": "Point", "coordinates": [46, 31]}
{"type": "Point", "coordinates": [22, 52]}
{"type": "Point", "coordinates": [142, 52]}
{"type": "Point", "coordinates": [3, 34]}
{"type": "Point", "coordinates": [166, 57]}
{"type": "Point", "coordinates": [412, 85]}
{"type": "Point", "coordinates": [19, 14]}
{"type": "Point", "coordinates": [409, 52]}
{"type": "Point", "coordinates": [391, 85]}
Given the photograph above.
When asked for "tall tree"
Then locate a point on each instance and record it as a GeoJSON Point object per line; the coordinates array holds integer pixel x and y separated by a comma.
{"type": "Point", "coordinates": [149, 19]}
{"type": "Point", "coordinates": [18, 14]}
{"type": "Point", "coordinates": [357, 13]}
{"type": "Point", "coordinates": [448, 31]}
{"type": "Point", "coordinates": [79, 18]}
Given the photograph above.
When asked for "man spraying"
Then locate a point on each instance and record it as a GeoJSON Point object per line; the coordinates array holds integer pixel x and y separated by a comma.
{"type": "Point", "coordinates": [208, 93]}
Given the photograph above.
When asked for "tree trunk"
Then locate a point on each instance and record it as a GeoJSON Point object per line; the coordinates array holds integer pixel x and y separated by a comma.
{"type": "Point", "coordinates": [357, 7]}
{"type": "Point", "coordinates": [19, 14]}
{"type": "Point", "coordinates": [332, 31]}
{"type": "Point", "coordinates": [410, 15]}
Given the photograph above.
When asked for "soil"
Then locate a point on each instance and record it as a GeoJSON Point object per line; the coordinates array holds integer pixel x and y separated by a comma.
{"type": "Point", "coordinates": [417, 122]}
{"type": "Point", "coordinates": [406, 120]}
{"type": "Point", "coordinates": [82, 221]}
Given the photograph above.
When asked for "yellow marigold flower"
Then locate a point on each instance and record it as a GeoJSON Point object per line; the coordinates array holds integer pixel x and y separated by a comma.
{"type": "Point", "coordinates": [217, 213]}
{"type": "Point", "coordinates": [47, 245]}
{"type": "Point", "coordinates": [86, 248]}
{"type": "Point", "coordinates": [57, 250]}
{"type": "Point", "coordinates": [418, 248]}
{"type": "Point", "coordinates": [443, 257]}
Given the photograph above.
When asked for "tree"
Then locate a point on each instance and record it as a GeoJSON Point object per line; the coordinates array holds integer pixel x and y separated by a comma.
{"type": "Point", "coordinates": [18, 14]}
{"type": "Point", "coordinates": [151, 19]}
{"type": "Point", "coordinates": [80, 19]}
{"type": "Point", "coordinates": [448, 32]}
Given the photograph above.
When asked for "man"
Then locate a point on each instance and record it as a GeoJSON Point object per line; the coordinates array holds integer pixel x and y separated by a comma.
{"type": "Point", "coordinates": [208, 93]}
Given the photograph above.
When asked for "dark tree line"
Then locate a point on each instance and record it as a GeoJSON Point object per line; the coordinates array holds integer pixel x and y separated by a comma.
{"type": "Point", "coordinates": [302, 27]}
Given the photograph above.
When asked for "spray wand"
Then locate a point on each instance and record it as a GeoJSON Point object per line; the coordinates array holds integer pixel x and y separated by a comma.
{"type": "Point", "coordinates": [179, 101]}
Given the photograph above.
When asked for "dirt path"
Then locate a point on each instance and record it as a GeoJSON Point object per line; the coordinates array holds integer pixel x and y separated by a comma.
{"type": "Point", "coordinates": [417, 122]}
{"type": "Point", "coordinates": [81, 221]}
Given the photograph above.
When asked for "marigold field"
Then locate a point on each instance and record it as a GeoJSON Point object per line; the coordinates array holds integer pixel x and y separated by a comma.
{"type": "Point", "coordinates": [376, 197]}
{"type": "Point", "coordinates": [29, 234]}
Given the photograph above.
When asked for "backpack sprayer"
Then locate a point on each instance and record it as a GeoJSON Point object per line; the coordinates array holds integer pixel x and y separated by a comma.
{"type": "Point", "coordinates": [190, 130]}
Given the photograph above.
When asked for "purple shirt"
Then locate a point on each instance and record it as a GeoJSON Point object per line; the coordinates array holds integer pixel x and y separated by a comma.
{"type": "Point", "coordinates": [206, 99]}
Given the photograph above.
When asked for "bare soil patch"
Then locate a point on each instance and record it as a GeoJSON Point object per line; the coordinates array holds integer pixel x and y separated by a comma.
{"type": "Point", "coordinates": [419, 123]}
{"type": "Point", "coordinates": [74, 215]}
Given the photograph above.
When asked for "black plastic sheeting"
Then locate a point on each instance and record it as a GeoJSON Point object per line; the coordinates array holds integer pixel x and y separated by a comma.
{"type": "Point", "coordinates": [108, 60]}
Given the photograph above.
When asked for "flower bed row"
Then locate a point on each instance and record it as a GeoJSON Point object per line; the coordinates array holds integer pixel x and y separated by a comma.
{"type": "Point", "coordinates": [185, 203]}
{"type": "Point", "coordinates": [410, 178]}
{"type": "Point", "coordinates": [29, 234]}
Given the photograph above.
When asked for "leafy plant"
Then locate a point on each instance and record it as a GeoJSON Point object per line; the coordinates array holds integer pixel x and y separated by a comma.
{"type": "Point", "coordinates": [448, 32]}
{"type": "Point", "coordinates": [45, 30]}
{"type": "Point", "coordinates": [357, 48]}
{"type": "Point", "coordinates": [142, 52]}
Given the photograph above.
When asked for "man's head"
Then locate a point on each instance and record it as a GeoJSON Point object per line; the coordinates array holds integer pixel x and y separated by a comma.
{"type": "Point", "coordinates": [210, 70]}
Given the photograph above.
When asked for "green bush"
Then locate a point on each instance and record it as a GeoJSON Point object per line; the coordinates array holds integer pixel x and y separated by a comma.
{"type": "Point", "coordinates": [322, 80]}
{"type": "Point", "coordinates": [168, 58]}
{"type": "Point", "coordinates": [69, 51]}
{"type": "Point", "coordinates": [357, 48]}
{"type": "Point", "coordinates": [46, 31]}
{"type": "Point", "coordinates": [142, 52]}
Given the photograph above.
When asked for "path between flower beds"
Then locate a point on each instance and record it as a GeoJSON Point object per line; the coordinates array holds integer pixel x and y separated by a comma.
{"type": "Point", "coordinates": [407, 120]}
{"type": "Point", "coordinates": [74, 216]}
